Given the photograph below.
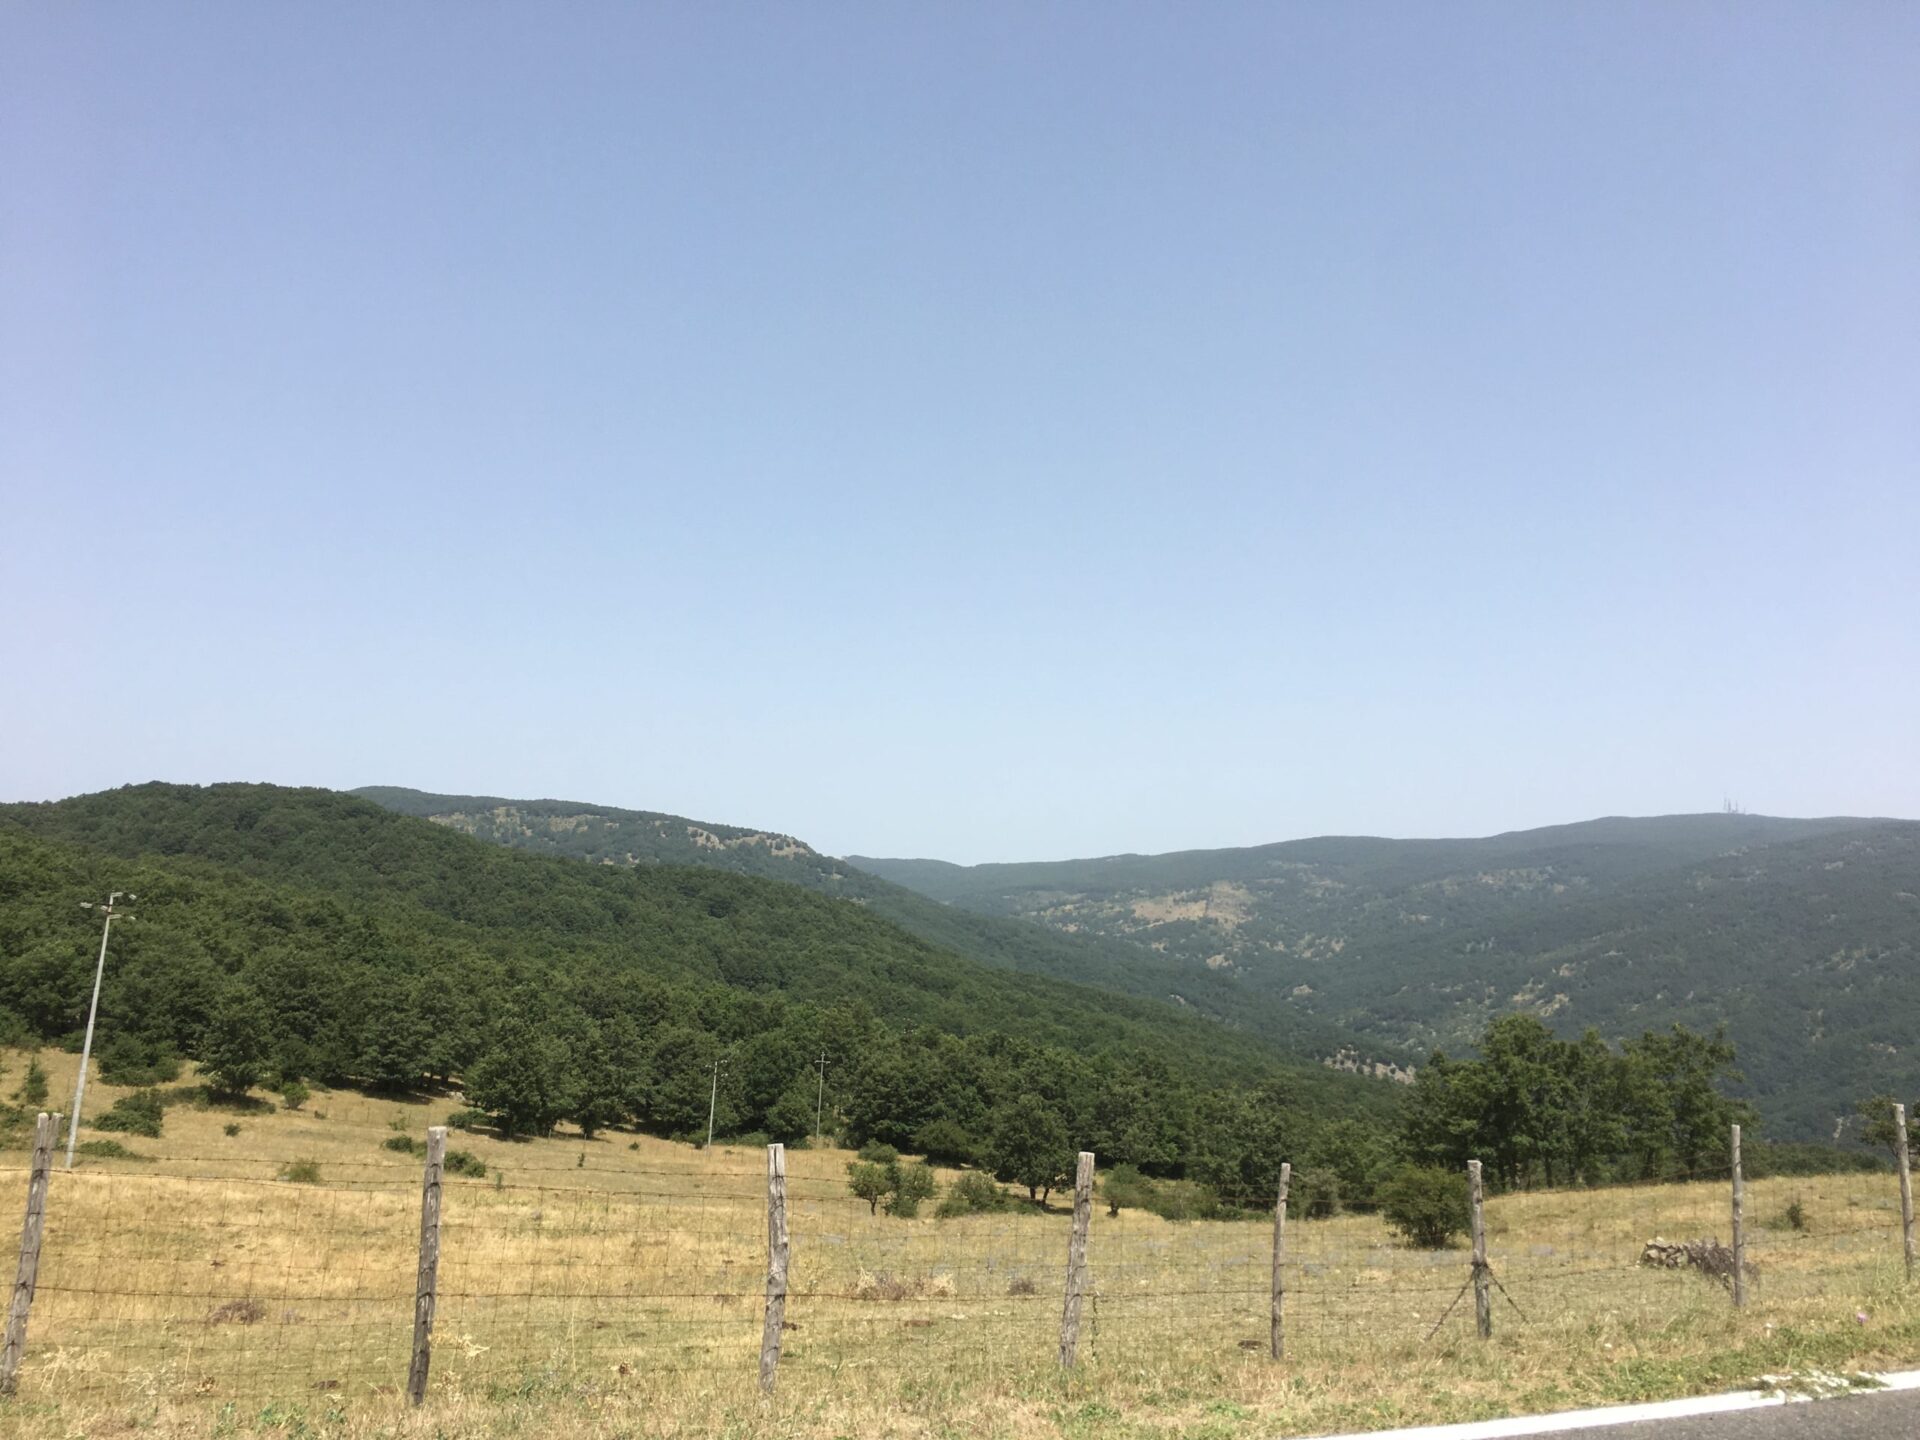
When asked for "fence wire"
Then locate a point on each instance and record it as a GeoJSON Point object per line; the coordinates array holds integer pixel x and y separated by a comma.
{"type": "Point", "coordinates": [209, 1276]}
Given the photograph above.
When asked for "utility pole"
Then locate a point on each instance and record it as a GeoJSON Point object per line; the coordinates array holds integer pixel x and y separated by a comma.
{"type": "Point", "coordinates": [713, 1101]}
{"type": "Point", "coordinates": [86, 1049]}
{"type": "Point", "coordinates": [820, 1097]}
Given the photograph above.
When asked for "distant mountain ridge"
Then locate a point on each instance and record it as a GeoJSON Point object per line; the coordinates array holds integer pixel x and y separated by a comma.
{"type": "Point", "coordinates": [610, 835]}
{"type": "Point", "coordinates": [1802, 936]}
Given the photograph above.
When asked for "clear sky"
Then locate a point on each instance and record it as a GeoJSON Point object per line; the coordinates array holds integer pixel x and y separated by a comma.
{"type": "Point", "coordinates": [991, 431]}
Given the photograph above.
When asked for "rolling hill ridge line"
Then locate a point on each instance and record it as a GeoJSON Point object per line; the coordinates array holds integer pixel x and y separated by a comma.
{"type": "Point", "coordinates": [1800, 936]}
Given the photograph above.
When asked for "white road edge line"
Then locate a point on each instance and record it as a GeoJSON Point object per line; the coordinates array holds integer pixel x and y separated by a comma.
{"type": "Point", "coordinates": [1520, 1426]}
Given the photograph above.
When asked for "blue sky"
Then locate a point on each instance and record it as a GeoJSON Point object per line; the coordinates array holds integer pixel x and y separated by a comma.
{"type": "Point", "coordinates": [992, 431]}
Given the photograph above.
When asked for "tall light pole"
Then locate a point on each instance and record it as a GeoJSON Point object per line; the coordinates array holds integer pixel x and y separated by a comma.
{"type": "Point", "coordinates": [86, 1049]}
{"type": "Point", "coordinates": [713, 1100]}
{"type": "Point", "coordinates": [820, 1096]}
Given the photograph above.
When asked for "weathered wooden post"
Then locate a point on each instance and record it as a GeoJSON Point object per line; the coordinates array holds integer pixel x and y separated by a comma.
{"type": "Point", "coordinates": [1739, 1226]}
{"type": "Point", "coordinates": [1482, 1276]}
{"type": "Point", "coordinates": [426, 1285]}
{"type": "Point", "coordinates": [1077, 1259]}
{"type": "Point", "coordinates": [15, 1348]}
{"type": "Point", "coordinates": [776, 1264]}
{"type": "Point", "coordinates": [1278, 1336]}
{"type": "Point", "coordinates": [1906, 1184]}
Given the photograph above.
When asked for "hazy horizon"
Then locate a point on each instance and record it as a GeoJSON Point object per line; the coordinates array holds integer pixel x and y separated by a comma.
{"type": "Point", "coordinates": [858, 852]}
{"type": "Point", "coordinates": [973, 434]}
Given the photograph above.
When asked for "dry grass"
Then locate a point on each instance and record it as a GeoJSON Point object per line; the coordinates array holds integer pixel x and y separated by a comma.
{"type": "Point", "coordinates": [619, 1294]}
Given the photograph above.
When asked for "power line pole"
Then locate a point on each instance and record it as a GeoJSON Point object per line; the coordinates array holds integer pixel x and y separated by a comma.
{"type": "Point", "coordinates": [86, 1048]}
{"type": "Point", "coordinates": [820, 1097]}
{"type": "Point", "coordinates": [713, 1101]}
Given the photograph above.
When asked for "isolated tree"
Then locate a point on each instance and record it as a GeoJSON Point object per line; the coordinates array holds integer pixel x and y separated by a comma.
{"type": "Point", "coordinates": [871, 1182]}
{"type": "Point", "coordinates": [913, 1182]}
{"type": "Point", "coordinates": [234, 1051]}
{"type": "Point", "coordinates": [524, 1081]}
{"type": "Point", "coordinates": [1029, 1146]}
{"type": "Point", "coordinates": [1876, 1123]}
{"type": "Point", "coordinates": [790, 1118]}
{"type": "Point", "coordinates": [1427, 1205]}
{"type": "Point", "coordinates": [33, 1085]}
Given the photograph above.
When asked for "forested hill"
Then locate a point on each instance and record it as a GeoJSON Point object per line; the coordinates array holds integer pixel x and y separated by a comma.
{"type": "Point", "coordinates": [368, 945]}
{"type": "Point", "coordinates": [608, 835]}
{"type": "Point", "coordinates": [1803, 936]}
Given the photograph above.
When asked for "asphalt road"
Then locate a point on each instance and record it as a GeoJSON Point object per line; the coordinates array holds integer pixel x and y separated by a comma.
{"type": "Point", "coordinates": [1893, 1415]}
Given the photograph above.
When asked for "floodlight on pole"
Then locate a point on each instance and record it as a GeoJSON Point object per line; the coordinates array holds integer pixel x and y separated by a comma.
{"type": "Point", "coordinates": [93, 1010]}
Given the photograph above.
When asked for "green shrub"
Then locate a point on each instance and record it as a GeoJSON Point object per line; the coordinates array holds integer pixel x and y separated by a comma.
{"type": "Point", "coordinates": [301, 1172]}
{"type": "Point", "coordinates": [1125, 1188]}
{"type": "Point", "coordinates": [33, 1085]}
{"type": "Point", "coordinates": [141, 1113]}
{"type": "Point", "coordinates": [944, 1142]}
{"type": "Point", "coordinates": [403, 1143]}
{"type": "Point", "coordinates": [874, 1153]}
{"type": "Point", "coordinates": [111, 1150]}
{"type": "Point", "coordinates": [134, 1060]}
{"type": "Point", "coordinates": [1426, 1205]}
{"type": "Point", "coordinates": [912, 1184]}
{"type": "Point", "coordinates": [295, 1094]}
{"type": "Point", "coordinates": [232, 1127]}
{"type": "Point", "coordinates": [465, 1162]}
{"type": "Point", "coordinates": [870, 1181]}
{"type": "Point", "coordinates": [469, 1120]}
{"type": "Point", "coordinates": [1315, 1194]}
{"type": "Point", "coordinates": [972, 1193]}
{"type": "Point", "coordinates": [1794, 1217]}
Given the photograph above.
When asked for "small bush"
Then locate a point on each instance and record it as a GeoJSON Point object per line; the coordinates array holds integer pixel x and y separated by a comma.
{"type": "Point", "coordinates": [131, 1060]}
{"type": "Point", "coordinates": [972, 1193]}
{"type": "Point", "coordinates": [1124, 1187]}
{"type": "Point", "coordinates": [295, 1094]}
{"type": "Point", "coordinates": [870, 1182]}
{"type": "Point", "coordinates": [232, 1127]}
{"type": "Point", "coordinates": [1315, 1194]}
{"type": "Point", "coordinates": [465, 1162]}
{"type": "Point", "coordinates": [141, 1113]}
{"type": "Point", "coordinates": [1022, 1285]}
{"type": "Point", "coordinates": [874, 1153]}
{"type": "Point", "coordinates": [402, 1143]}
{"type": "Point", "coordinates": [946, 1143]}
{"type": "Point", "coordinates": [110, 1150]}
{"type": "Point", "coordinates": [33, 1085]}
{"type": "Point", "coordinates": [301, 1172]}
{"type": "Point", "coordinates": [1794, 1217]}
{"type": "Point", "coordinates": [1426, 1205]}
{"type": "Point", "coordinates": [912, 1184]}
{"type": "Point", "coordinates": [879, 1285]}
{"type": "Point", "coordinates": [468, 1120]}
{"type": "Point", "coordinates": [237, 1312]}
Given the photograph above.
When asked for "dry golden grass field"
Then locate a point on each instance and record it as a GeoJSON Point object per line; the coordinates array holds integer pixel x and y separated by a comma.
{"type": "Point", "coordinates": [613, 1287]}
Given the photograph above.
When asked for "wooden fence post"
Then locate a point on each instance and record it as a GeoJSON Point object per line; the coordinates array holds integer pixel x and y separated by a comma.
{"type": "Point", "coordinates": [1278, 1336]}
{"type": "Point", "coordinates": [426, 1287]}
{"type": "Point", "coordinates": [1077, 1259]}
{"type": "Point", "coordinates": [1482, 1276]}
{"type": "Point", "coordinates": [1906, 1184]}
{"type": "Point", "coordinates": [1739, 1226]}
{"type": "Point", "coordinates": [776, 1264]}
{"type": "Point", "coordinates": [15, 1349]}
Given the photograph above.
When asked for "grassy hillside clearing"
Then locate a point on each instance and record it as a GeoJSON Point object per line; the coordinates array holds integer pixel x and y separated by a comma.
{"type": "Point", "coordinates": [612, 1287]}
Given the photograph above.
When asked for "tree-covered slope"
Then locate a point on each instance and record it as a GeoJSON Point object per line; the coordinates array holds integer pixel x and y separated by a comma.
{"type": "Point", "coordinates": [384, 945]}
{"type": "Point", "coordinates": [610, 836]}
{"type": "Point", "coordinates": [1800, 935]}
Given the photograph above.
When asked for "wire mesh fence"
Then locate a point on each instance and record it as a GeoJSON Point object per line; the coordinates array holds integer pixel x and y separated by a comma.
{"type": "Point", "coordinates": [213, 1276]}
